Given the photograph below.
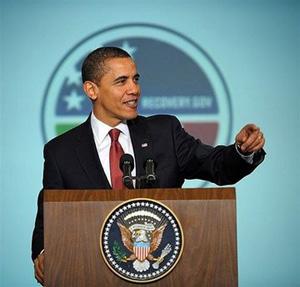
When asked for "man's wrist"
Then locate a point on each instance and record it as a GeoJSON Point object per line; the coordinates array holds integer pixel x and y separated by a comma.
{"type": "Point", "coordinates": [248, 157]}
{"type": "Point", "coordinates": [42, 252]}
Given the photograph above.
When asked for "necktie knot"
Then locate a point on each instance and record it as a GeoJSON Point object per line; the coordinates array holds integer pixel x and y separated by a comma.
{"type": "Point", "coordinates": [114, 134]}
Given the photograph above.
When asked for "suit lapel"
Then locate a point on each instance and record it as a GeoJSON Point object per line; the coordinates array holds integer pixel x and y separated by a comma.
{"type": "Point", "coordinates": [88, 157]}
{"type": "Point", "coordinates": [142, 144]}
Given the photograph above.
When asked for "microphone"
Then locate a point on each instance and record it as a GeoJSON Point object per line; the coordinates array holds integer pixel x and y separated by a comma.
{"type": "Point", "coordinates": [126, 165]}
{"type": "Point", "coordinates": [150, 170]}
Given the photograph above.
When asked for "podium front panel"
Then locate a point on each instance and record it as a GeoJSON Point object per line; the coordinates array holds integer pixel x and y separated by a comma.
{"type": "Point", "coordinates": [73, 221]}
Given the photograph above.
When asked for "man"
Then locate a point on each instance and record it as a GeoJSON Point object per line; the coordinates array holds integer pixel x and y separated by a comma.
{"type": "Point", "coordinates": [81, 158]}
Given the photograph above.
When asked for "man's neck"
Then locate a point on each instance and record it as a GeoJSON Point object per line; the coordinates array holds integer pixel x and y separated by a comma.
{"type": "Point", "coordinates": [112, 122]}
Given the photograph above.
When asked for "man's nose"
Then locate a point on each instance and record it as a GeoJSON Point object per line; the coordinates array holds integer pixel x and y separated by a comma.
{"type": "Point", "coordinates": [133, 88]}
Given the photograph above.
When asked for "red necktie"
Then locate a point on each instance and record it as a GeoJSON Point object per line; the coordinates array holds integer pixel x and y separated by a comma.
{"type": "Point", "coordinates": [115, 154]}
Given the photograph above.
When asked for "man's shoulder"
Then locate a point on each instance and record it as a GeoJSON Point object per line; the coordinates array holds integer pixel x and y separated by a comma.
{"type": "Point", "coordinates": [158, 119]}
{"type": "Point", "coordinates": [70, 136]}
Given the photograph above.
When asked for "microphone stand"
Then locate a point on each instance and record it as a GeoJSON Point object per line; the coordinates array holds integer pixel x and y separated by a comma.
{"type": "Point", "coordinates": [138, 181]}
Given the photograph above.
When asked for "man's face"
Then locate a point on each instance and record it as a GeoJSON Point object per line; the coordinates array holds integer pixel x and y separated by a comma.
{"type": "Point", "coordinates": [118, 92]}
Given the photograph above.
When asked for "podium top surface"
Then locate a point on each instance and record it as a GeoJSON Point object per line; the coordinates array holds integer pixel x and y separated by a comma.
{"type": "Point", "coordinates": [65, 195]}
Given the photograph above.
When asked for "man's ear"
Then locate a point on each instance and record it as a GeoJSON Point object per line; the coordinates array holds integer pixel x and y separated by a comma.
{"type": "Point", "coordinates": [91, 90]}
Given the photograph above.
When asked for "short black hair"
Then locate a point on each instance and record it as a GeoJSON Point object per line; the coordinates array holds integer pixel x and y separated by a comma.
{"type": "Point", "coordinates": [93, 67]}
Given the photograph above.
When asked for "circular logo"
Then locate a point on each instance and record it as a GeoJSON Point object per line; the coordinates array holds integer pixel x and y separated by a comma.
{"type": "Point", "coordinates": [141, 240]}
{"type": "Point", "coordinates": [177, 77]}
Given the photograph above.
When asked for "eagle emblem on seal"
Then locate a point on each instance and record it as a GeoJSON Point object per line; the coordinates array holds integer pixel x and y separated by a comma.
{"type": "Point", "coordinates": [142, 240]}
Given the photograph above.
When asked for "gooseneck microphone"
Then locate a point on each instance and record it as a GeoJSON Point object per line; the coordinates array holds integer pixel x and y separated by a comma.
{"type": "Point", "coordinates": [127, 165]}
{"type": "Point", "coordinates": [150, 170]}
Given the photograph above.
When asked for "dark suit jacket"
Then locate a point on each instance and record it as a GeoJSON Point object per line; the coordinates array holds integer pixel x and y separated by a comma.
{"type": "Point", "coordinates": [72, 162]}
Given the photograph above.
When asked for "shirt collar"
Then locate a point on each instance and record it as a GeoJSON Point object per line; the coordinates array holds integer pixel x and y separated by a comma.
{"type": "Point", "coordinates": [101, 130]}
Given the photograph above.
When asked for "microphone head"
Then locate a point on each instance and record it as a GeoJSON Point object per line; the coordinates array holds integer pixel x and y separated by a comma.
{"type": "Point", "coordinates": [126, 159]}
{"type": "Point", "coordinates": [150, 166]}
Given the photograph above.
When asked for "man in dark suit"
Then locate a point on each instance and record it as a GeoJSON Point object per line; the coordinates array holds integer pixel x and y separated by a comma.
{"type": "Point", "coordinates": [80, 158]}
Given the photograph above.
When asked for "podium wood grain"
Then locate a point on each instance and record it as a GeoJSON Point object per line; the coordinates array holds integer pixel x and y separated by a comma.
{"type": "Point", "coordinates": [73, 220]}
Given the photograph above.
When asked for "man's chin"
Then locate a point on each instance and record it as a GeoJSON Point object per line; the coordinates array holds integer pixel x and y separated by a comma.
{"type": "Point", "coordinates": [130, 116]}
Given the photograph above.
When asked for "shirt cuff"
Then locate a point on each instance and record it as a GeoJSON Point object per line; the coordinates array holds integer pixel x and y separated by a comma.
{"type": "Point", "coordinates": [248, 158]}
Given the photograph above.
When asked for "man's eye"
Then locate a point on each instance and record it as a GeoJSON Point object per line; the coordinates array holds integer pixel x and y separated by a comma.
{"type": "Point", "coordinates": [121, 81]}
{"type": "Point", "coordinates": [136, 79]}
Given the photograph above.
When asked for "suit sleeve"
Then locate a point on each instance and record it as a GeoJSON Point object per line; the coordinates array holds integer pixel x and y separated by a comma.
{"type": "Point", "coordinates": [221, 164]}
{"type": "Point", "coordinates": [51, 180]}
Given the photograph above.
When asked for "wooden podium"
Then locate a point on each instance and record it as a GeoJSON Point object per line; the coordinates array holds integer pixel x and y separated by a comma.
{"type": "Point", "coordinates": [73, 220]}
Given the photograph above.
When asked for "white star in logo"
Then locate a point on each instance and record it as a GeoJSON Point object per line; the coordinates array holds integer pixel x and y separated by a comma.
{"type": "Point", "coordinates": [129, 49]}
{"type": "Point", "coordinates": [74, 101]}
{"type": "Point", "coordinates": [74, 77]}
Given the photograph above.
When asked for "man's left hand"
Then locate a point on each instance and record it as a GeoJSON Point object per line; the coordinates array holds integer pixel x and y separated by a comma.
{"type": "Point", "coordinates": [39, 268]}
{"type": "Point", "coordinates": [250, 139]}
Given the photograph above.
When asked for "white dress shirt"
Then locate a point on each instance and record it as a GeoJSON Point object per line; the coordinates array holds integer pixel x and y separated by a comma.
{"type": "Point", "coordinates": [103, 142]}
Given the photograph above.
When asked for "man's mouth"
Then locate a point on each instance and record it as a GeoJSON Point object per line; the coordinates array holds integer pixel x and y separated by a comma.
{"type": "Point", "coordinates": [131, 103]}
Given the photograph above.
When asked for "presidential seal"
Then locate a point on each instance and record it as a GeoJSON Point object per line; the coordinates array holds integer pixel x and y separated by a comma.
{"type": "Point", "coordinates": [141, 240]}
